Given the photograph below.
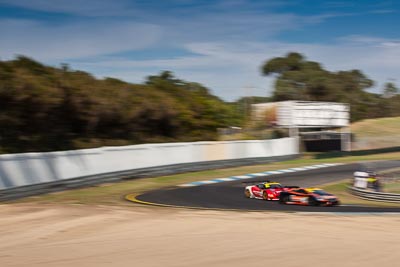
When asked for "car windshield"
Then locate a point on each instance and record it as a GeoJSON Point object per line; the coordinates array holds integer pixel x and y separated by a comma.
{"type": "Point", "coordinates": [321, 193]}
{"type": "Point", "coordinates": [275, 186]}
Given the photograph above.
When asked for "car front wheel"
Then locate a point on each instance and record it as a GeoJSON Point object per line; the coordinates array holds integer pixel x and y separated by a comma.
{"type": "Point", "coordinates": [284, 199]}
{"type": "Point", "coordinates": [312, 201]}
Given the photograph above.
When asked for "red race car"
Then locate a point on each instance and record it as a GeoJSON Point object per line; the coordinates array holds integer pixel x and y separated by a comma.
{"type": "Point", "coordinates": [308, 196]}
{"type": "Point", "coordinates": [266, 190]}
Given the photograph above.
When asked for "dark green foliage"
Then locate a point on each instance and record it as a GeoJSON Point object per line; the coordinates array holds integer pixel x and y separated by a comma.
{"type": "Point", "coordinates": [390, 90]}
{"type": "Point", "coordinates": [44, 108]}
{"type": "Point", "coordinates": [298, 79]}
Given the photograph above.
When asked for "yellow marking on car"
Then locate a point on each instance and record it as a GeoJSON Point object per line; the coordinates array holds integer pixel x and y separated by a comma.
{"type": "Point", "coordinates": [312, 189]}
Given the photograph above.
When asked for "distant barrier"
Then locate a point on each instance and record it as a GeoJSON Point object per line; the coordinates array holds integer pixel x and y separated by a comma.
{"type": "Point", "coordinates": [376, 196]}
{"type": "Point", "coordinates": [367, 185]}
{"type": "Point", "coordinates": [34, 173]}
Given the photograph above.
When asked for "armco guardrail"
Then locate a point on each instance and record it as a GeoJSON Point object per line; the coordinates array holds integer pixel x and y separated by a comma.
{"type": "Point", "coordinates": [376, 196]}
{"type": "Point", "coordinates": [35, 173]}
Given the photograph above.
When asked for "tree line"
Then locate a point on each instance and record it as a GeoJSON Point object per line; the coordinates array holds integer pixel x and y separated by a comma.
{"type": "Point", "coordinates": [45, 108]}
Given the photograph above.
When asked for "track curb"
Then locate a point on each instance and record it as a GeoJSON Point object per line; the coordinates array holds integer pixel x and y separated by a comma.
{"type": "Point", "coordinates": [133, 198]}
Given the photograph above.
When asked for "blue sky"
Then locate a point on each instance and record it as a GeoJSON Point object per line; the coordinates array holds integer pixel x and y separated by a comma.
{"type": "Point", "coordinates": [220, 44]}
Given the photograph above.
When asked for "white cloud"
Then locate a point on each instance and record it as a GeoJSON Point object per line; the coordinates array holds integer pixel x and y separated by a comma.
{"type": "Point", "coordinates": [228, 68]}
{"type": "Point", "coordinates": [82, 38]}
{"type": "Point", "coordinates": [79, 39]}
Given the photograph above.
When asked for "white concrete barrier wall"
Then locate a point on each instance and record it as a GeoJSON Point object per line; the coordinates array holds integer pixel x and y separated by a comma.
{"type": "Point", "coordinates": [35, 168]}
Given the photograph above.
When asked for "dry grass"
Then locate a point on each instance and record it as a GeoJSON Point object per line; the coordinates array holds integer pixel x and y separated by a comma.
{"type": "Point", "coordinates": [376, 133]}
{"type": "Point", "coordinates": [340, 189]}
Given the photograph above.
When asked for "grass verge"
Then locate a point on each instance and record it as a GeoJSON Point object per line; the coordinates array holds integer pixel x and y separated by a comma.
{"type": "Point", "coordinates": [340, 190]}
{"type": "Point", "coordinates": [392, 188]}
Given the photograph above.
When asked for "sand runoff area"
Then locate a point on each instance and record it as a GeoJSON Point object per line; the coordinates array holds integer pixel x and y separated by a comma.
{"type": "Point", "coordinates": [76, 235]}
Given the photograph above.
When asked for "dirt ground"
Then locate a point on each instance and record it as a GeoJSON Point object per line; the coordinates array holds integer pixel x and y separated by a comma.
{"type": "Point", "coordinates": [56, 235]}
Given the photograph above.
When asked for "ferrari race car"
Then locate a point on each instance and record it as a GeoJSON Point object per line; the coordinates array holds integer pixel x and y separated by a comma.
{"type": "Point", "coordinates": [265, 190]}
{"type": "Point", "coordinates": [308, 196]}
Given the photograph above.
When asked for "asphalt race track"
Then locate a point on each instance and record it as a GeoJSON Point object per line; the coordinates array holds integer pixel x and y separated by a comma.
{"type": "Point", "coordinates": [230, 195]}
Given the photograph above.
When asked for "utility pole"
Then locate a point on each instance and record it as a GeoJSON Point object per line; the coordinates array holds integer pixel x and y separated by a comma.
{"type": "Point", "coordinates": [247, 102]}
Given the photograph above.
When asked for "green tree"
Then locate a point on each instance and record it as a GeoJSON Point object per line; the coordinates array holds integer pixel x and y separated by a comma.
{"type": "Point", "coordinates": [390, 90]}
{"type": "Point", "coordinates": [299, 79]}
{"type": "Point", "coordinates": [44, 108]}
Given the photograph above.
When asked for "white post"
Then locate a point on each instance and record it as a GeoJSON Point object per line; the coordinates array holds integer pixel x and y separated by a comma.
{"type": "Point", "coordinates": [342, 141]}
{"type": "Point", "coordinates": [349, 139]}
{"type": "Point", "coordinates": [293, 132]}
{"type": "Point", "coordinates": [345, 139]}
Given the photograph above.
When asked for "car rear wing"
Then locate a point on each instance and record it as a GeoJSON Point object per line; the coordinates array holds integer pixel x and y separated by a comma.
{"type": "Point", "coordinates": [267, 181]}
{"type": "Point", "coordinates": [257, 182]}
